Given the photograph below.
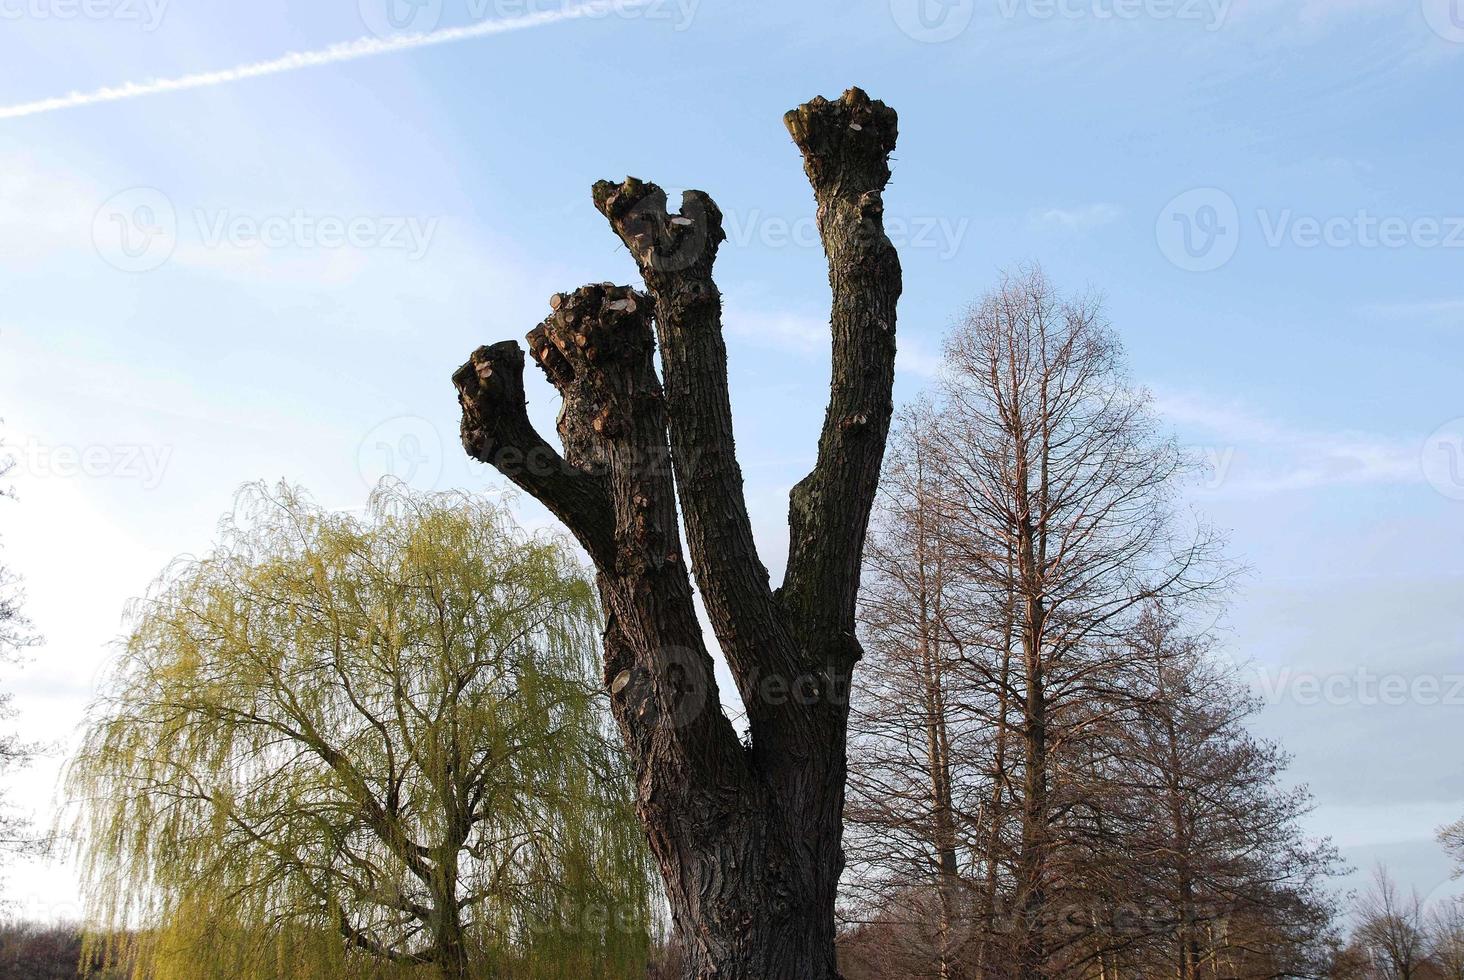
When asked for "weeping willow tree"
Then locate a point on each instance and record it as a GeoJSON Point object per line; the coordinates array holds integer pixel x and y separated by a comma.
{"type": "Point", "coordinates": [345, 746]}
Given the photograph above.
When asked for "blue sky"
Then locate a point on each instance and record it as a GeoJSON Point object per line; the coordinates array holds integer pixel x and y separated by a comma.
{"type": "Point", "coordinates": [275, 276]}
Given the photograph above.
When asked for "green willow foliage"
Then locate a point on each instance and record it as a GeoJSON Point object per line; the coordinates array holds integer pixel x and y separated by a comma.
{"type": "Point", "coordinates": [363, 747]}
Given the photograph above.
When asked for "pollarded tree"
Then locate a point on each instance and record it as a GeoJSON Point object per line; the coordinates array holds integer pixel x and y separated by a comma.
{"type": "Point", "coordinates": [364, 747]}
{"type": "Point", "coordinates": [748, 838]}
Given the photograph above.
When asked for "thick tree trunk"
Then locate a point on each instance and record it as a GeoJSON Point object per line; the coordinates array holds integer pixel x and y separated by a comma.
{"type": "Point", "coordinates": [1031, 864]}
{"type": "Point", "coordinates": [450, 952]}
{"type": "Point", "coordinates": [449, 940]}
{"type": "Point", "coordinates": [748, 838]}
{"type": "Point", "coordinates": [1031, 884]}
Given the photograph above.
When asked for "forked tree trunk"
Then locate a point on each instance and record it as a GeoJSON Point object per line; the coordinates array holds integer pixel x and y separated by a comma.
{"type": "Point", "coordinates": [748, 838]}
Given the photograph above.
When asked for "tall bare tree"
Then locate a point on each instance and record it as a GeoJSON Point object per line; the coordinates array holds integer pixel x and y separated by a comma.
{"type": "Point", "coordinates": [17, 835]}
{"type": "Point", "coordinates": [1049, 777]}
{"type": "Point", "coordinates": [748, 838]}
{"type": "Point", "coordinates": [1445, 936]}
{"type": "Point", "coordinates": [927, 761]}
{"type": "Point", "coordinates": [1056, 464]}
{"type": "Point", "coordinates": [1221, 864]}
{"type": "Point", "coordinates": [1391, 928]}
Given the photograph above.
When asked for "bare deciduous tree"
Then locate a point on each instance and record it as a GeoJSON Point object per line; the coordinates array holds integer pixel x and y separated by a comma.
{"type": "Point", "coordinates": [1452, 837]}
{"type": "Point", "coordinates": [1056, 467]}
{"type": "Point", "coordinates": [1391, 928]}
{"type": "Point", "coordinates": [1219, 853]}
{"type": "Point", "coordinates": [17, 834]}
{"type": "Point", "coordinates": [34, 951]}
{"type": "Point", "coordinates": [748, 838]}
{"type": "Point", "coordinates": [1446, 938]}
{"type": "Point", "coordinates": [1048, 777]}
{"type": "Point", "coordinates": [928, 758]}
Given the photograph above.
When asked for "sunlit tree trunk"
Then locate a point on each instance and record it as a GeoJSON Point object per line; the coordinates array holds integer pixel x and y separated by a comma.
{"type": "Point", "coordinates": [748, 839]}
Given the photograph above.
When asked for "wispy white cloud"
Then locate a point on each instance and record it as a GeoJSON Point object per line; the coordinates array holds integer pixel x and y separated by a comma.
{"type": "Point", "coordinates": [1363, 824]}
{"type": "Point", "coordinates": [44, 209]}
{"type": "Point", "coordinates": [1311, 13]}
{"type": "Point", "coordinates": [1084, 218]}
{"type": "Point", "coordinates": [915, 358]}
{"type": "Point", "coordinates": [808, 336]}
{"type": "Point", "coordinates": [1252, 455]}
{"type": "Point", "coordinates": [792, 332]}
{"type": "Point", "coordinates": [1425, 310]}
{"type": "Point", "coordinates": [365, 47]}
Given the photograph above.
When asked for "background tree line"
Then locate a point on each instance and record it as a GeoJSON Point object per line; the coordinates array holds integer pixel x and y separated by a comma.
{"type": "Point", "coordinates": [1397, 936]}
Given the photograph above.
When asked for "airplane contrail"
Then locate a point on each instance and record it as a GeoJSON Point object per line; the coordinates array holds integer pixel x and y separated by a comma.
{"type": "Point", "coordinates": [364, 47]}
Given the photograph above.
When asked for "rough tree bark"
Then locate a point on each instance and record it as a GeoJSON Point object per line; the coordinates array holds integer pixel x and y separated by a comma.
{"type": "Point", "coordinates": [748, 838]}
